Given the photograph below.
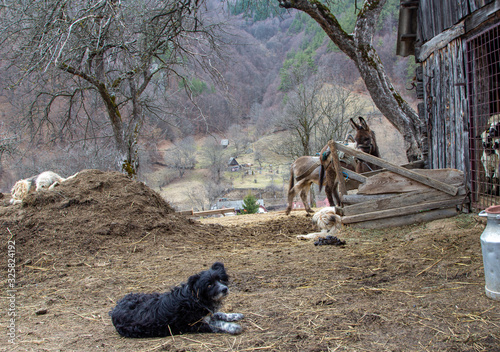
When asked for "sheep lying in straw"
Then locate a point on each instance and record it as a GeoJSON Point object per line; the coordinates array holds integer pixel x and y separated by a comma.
{"type": "Point", "coordinates": [327, 221]}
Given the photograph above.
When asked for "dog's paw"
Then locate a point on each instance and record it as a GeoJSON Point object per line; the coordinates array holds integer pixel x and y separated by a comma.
{"type": "Point", "coordinates": [228, 316]}
{"type": "Point", "coordinates": [233, 329]}
{"type": "Point", "coordinates": [235, 316]}
{"type": "Point", "coordinates": [222, 326]}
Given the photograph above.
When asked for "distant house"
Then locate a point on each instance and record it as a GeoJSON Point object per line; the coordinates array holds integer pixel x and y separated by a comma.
{"type": "Point", "coordinates": [224, 143]}
{"type": "Point", "coordinates": [233, 164]}
{"type": "Point", "coordinates": [456, 44]}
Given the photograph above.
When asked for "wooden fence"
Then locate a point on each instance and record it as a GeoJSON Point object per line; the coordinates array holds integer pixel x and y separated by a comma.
{"type": "Point", "coordinates": [396, 195]}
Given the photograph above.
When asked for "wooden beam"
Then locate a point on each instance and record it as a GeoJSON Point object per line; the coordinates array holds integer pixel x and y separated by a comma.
{"type": "Point", "coordinates": [452, 190]}
{"type": "Point", "coordinates": [481, 15]}
{"type": "Point", "coordinates": [390, 182]}
{"type": "Point", "coordinates": [400, 211]}
{"type": "Point", "coordinates": [355, 176]}
{"type": "Point", "coordinates": [352, 199]}
{"type": "Point", "coordinates": [402, 200]}
{"type": "Point", "coordinates": [410, 3]}
{"type": "Point", "coordinates": [441, 40]}
{"type": "Point", "coordinates": [207, 212]}
{"type": "Point", "coordinates": [419, 164]}
{"type": "Point", "coordinates": [338, 169]}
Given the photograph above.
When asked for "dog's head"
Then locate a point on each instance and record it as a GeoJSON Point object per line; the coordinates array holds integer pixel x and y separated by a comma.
{"type": "Point", "coordinates": [326, 219]}
{"type": "Point", "coordinates": [20, 190]}
{"type": "Point", "coordinates": [210, 285]}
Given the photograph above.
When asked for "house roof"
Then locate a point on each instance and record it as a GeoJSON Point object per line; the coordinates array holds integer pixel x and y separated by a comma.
{"type": "Point", "coordinates": [233, 161]}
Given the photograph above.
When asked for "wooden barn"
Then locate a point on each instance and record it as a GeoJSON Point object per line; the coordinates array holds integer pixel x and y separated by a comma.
{"type": "Point", "coordinates": [457, 46]}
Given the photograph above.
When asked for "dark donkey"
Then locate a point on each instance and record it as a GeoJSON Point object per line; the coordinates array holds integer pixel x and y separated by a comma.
{"type": "Point", "coordinates": [304, 172]}
{"type": "Point", "coordinates": [366, 142]}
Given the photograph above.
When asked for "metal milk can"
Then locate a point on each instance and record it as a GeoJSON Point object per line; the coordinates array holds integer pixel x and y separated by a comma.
{"type": "Point", "coordinates": [490, 245]}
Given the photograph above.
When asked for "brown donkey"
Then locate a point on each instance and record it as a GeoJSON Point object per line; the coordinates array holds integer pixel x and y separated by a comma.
{"type": "Point", "coordinates": [366, 142]}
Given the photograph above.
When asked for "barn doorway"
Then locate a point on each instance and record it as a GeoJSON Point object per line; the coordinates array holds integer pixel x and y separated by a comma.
{"type": "Point", "coordinates": [483, 85]}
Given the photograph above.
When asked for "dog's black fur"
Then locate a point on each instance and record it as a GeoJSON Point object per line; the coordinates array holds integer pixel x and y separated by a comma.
{"type": "Point", "coordinates": [190, 307]}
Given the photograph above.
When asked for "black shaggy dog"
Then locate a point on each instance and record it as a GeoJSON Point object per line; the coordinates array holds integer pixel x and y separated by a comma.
{"type": "Point", "coordinates": [190, 307]}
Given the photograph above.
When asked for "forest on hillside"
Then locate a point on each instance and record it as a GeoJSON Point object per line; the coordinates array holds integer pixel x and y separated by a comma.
{"type": "Point", "coordinates": [270, 58]}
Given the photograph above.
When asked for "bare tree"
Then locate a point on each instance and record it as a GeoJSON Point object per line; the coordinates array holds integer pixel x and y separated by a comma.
{"type": "Point", "coordinates": [259, 155]}
{"type": "Point", "coordinates": [216, 160]}
{"type": "Point", "coordinates": [302, 116]}
{"type": "Point", "coordinates": [198, 197]}
{"type": "Point", "coordinates": [338, 106]}
{"type": "Point", "coordinates": [240, 140]}
{"type": "Point", "coordinates": [359, 48]}
{"type": "Point", "coordinates": [215, 190]}
{"type": "Point", "coordinates": [102, 57]}
{"type": "Point", "coordinates": [182, 157]}
{"type": "Point", "coordinates": [8, 145]}
{"type": "Point", "coordinates": [314, 114]}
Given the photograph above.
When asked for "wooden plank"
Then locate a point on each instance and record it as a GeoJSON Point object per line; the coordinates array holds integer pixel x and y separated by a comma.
{"type": "Point", "coordinates": [407, 220]}
{"type": "Point", "coordinates": [481, 15]}
{"type": "Point", "coordinates": [424, 23]}
{"type": "Point", "coordinates": [399, 170]}
{"type": "Point", "coordinates": [462, 111]}
{"type": "Point", "coordinates": [419, 164]}
{"type": "Point", "coordinates": [210, 212]}
{"type": "Point", "coordinates": [402, 200]}
{"type": "Point", "coordinates": [441, 40]}
{"type": "Point", "coordinates": [354, 175]}
{"type": "Point", "coordinates": [352, 199]}
{"type": "Point", "coordinates": [401, 211]}
{"type": "Point", "coordinates": [338, 169]}
{"type": "Point", "coordinates": [389, 182]}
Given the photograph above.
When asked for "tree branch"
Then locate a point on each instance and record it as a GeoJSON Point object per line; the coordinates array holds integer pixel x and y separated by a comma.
{"type": "Point", "coordinates": [328, 22]}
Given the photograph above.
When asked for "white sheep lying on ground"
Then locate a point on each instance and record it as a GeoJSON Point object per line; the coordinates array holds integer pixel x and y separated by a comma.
{"type": "Point", "coordinates": [327, 221]}
{"type": "Point", "coordinates": [42, 182]}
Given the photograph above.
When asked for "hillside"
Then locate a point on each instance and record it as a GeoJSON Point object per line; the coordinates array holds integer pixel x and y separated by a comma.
{"type": "Point", "coordinates": [258, 50]}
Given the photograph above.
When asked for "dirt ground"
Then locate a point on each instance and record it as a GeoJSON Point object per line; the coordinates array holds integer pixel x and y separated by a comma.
{"type": "Point", "coordinates": [82, 247]}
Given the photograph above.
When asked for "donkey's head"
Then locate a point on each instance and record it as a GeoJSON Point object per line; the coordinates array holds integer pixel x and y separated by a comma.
{"type": "Point", "coordinates": [325, 162]}
{"type": "Point", "coordinates": [365, 137]}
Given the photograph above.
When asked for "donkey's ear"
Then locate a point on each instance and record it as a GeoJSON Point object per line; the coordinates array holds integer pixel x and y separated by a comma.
{"type": "Point", "coordinates": [354, 124]}
{"type": "Point", "coordinates": [363, 123]}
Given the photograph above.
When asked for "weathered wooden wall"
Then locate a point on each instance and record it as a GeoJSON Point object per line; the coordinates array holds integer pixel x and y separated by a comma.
{"type": "Point", "coordinates": [445, 101]}
{"type": "Point", "coordinates": [436, 16]}
{"type": "Point", "coordinates": [443, 28]}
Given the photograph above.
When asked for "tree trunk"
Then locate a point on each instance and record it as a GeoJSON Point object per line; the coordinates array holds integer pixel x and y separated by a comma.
{"type": "Point", "coordinates": [126, 142]}
{"type": "Point", "coordinates": [358, 46]}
